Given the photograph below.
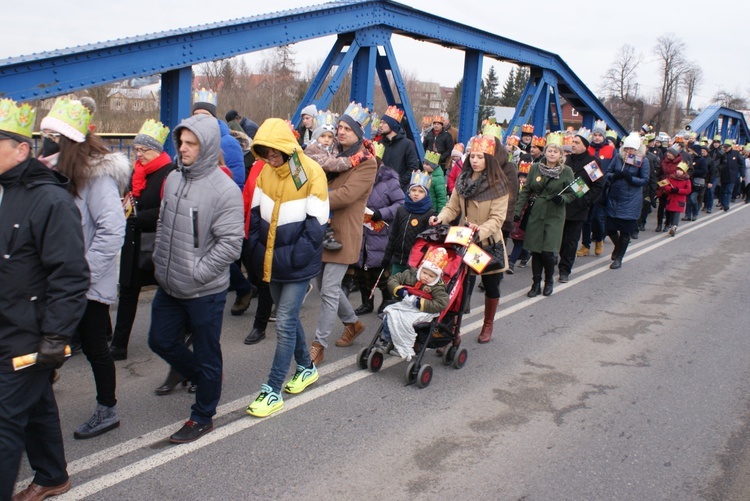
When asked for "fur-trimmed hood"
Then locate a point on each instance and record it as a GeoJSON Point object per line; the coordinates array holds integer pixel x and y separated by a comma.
{"type": "Point", "coordinates": [114, 165]}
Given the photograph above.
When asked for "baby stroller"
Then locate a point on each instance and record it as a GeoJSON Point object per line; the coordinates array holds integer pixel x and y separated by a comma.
{"type": "Point", "coordinates": [444, 330]}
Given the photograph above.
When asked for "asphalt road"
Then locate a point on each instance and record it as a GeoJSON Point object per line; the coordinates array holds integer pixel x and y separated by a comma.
{"type": "Point", "coordinates": [624, 384]}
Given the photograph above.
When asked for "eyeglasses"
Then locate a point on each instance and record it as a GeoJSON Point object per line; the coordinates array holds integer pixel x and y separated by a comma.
{"type": "Point", "coordinates": [52, 136]}
{"type": "Point", "coordinates": [140, 150]}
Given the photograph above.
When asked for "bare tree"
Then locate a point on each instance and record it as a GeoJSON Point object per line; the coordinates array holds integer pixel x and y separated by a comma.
{"type": "Point", "coordinates": [670, 52]}
{"type": "Point", "coordinates": [729, 100]}
{"type": "Point", "coordinates": [213, 72]}
{"type": "Point", "coordinates": [620, 79]}
{"type": "Point", "coordinates": [692, 80]}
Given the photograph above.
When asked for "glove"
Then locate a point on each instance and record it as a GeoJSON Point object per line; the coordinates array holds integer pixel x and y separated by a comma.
{"type": "Point", "coordinates": [516, 218]}
{"type": "Point", "coordinates": [628, 176]}
{"type": "Point", "coordinates": [675, 189]}
{"type": "Point", "coordinates": [401, 293]}
{"type": "Point", "coordinates": [51, 351]}
{"type": "Point", "coordinates": [558, 199]}
{"type": "Point", "coordinates": [376, 215]}
{"type": "Point", "coordinates": [385, 264]}
{"type": "Point", "coordinates": [654, 203]}
{"type": "Point", "coordinates": [617, 175]}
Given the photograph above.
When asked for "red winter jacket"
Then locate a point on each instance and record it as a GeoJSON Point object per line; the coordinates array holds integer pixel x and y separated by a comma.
{"type": "Point", "coordinates": [249, 189]}
{"type": "Point", "coordinates": [676, 201]}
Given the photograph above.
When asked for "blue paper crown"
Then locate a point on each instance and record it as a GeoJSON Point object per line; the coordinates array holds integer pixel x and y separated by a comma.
{"type": "Point", "coordinates": [359, 113]}
{"type": "Point", "coordinates": [205, 96]}
{"type": "Point", "coordinates": [422, 179]}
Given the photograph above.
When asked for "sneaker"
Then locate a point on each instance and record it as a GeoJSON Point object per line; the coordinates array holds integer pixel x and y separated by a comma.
{"type": "Point", "coordinates": [190, 432]}
{"type": "Point", "coordinates": [104, 419]}
{"type": "Point", "coordinates": [272, 316]}
{"type": "Point", "coordinates": [303, 378]}
{"type": "Point", "coordinates": [351, 331]}
{"type": "Point", "coordinates": [267, 403]}
{"type": "Point", "coordinates": [563, 278]}
{"type": "Point", "coordinates": [523, 263]}
{"type": "Point", "coordinates": [332, 244]}
{"type": "Point", "coordinates": [510, 271]}
{"type": "Point", "coordinates": [598, 248]}
{"type": "Point", "coordinates": [307, 293]}
{"type": "Point", "coordinates": [583, 251]}
{"type": "Point", "coordinates": [242, 303]}
{"type": "Point", "coordinates": [317, 353]}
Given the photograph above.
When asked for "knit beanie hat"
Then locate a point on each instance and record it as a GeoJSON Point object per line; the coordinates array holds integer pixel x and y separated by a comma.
{"type": "Point", "coordinates": [632, 141]}
{"type": "Point", "coordinates": [392, 123]}
{"type": "Point", "coordinates": [231, 115]}
{"type": "Point", "coordinates": [152, 135]}
{"type": "Point", "coordinates": [674, 150]}
{"type": "Point", "coordinates": [310, 109]}
{"type": "Point", "coordinates": [696, 148]}
{"type": "Point", "coordinates": [435, 260]}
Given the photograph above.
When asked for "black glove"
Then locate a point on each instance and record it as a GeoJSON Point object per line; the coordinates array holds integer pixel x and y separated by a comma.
{"type": "Point", "coordinates": [654, 203]}
{"type": "Point", "coordinates": [516, 218]}
{"type": "Point", "coordinates": [558, 199]}
{"type": "Point", "coordinates": [617, 175]}
{"type": "Point", "coordinates": [401, 293]}
{"type": "Point", "coordinates": [51, 350]}
{"type": "Point", "coordinates": [675, 189]}
{"type": "Point", "coordinates": [376, 215]}
{"type": "Point", "coordinates": [628, 176]}
{"type": "Point", "coordinates": [385, 264]}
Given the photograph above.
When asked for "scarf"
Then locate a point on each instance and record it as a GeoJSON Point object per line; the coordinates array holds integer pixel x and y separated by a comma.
{"type": "Point", "coordinates": [140, 171]}
{"type": "Point", "coordinates": [476, 189]}
{"type": "Point", "coordinates": [551, 172]}
{"type": "Point", "coordinates": [418, 207]}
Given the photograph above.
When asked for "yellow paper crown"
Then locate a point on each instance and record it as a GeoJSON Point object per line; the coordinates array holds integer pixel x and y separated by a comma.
{"type": "Point", "coordinates": [539, 142]}
{"type": "Point", "coordinates": [326, 118]}
{"type": "Point", "coordinates": [438, 256]}
{"type": "Point", "coordinates": [154, 129]}
{"type": "Point", "coordinates": [395, 113]}
{"type": "Point", "coordinates": [555, 138]}
{"type": "Point", "coordinates": [379, 149]}
{"type": "Point", "coordinates": [728, 142]}
{"type": "Point", "coordinates": [678, 139]}
{"type": "Point", "coordinates": [683, 166]}
{"type": "Point", "coordinates": [205, 96]}
{"type": "Point", "coordinates": [70, 118]}
{"type": "Point", "coordinates": [527, 129]}
{"type": "Point", "coordinates": [375, 124]}
{"type": "Point", "coordinates": [483, 144]}
{"type": "Point", "coordinates": [512, 141]}
{"type": "Point", "coordinates": [432, 157]}
{"type": "Point", "coordinates": [17, 119]}
{"type": "Point", "coordinates": [422, 179]}
{"type": "Point", "coordinates": [359, 113]}
{"type": "Point", "coordinates": [491, 129]}
{"type": "Point", "coordinates": [717, 137]}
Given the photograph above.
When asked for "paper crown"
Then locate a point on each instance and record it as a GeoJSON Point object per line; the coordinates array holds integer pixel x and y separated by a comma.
{"type": "Point", "coordinates": [325, 118]}
{"type": "Point", "coordinates": [492, 129]}
{"type": "Point", "coordinates": [646, 128]}
{"type": "Point", "coordinates": [567, 140]}
{"type": "Point", "coordinates": [438, 118]}
{"type": "Point", "coordinates": [432, 157]}
{"type": "Point", "coordinates": [612, 134]}
{"type": "Point", "coordinates": [729, 142]}
{"type": "Point", "coordinates": [395, 113]}
{"type": "Point", "coordinates": [600, 126]}
{"type": "Point", "coordinates": [483, 144]}
{"type": "Point", "coordinates": [678, 139]}
{"type": "Point", "coordinates": [539, 142]}
{"type": "Point", "coordinates": [426, 121]}
{"type": "Point", "coordinates": [359, 113]}
{"type": "Point", "coordinates": [154, 129]}
{"type": "Point", "coordinates": [584, 133]}
{"type": "Point", "coordinates": [527, 129]}
{"type": "Point", "coordinates": [512, 141]}
{"type": "Point", "coordinates": [437, 257]}
{"type": "Point", "coordinates": [555, 139]}
{"type": "Point", "coordinates": [704, 139]}
{"type": "Point", "coordinates": [683, 166]}
{"type": "Point", "coordinates": [459, 147]}
{"type": "Point", "coordinates": [420, 178]}
{"type": "Point", "coordinates": [717, 137]}
{"type": "Point", "coordinates": [523, 167]}
{"type": "Point", "coordinates": [379, 149]}
{"type": "Point", "coordinates": [375, 123]}
{"type": "Point", "coordinates": [205, 96]}
{"type": "Point", "coordinates": [17, 119]}
{"type": "Point", "coordinates": [650, 136]}
{"type": "Point", "coordinates": [70, 118]}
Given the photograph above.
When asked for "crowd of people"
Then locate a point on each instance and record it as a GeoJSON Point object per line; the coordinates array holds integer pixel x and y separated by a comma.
{"type": "Point", "coordinates": [320, 204]}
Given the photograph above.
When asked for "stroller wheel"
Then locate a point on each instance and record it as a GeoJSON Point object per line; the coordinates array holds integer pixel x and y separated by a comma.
{"type": "Point", "coordinates": [460, 359]}
{"type": "Point", "coordinates": [448, 354]}
{"type": "Point", "coordinates": [362, 357]}
{"type": "Point", "coordinates": [375, 360]}
{"type": "Point", "coordinates": [424, 377]}
{"type": "Point", "coordinates": [411, 373]}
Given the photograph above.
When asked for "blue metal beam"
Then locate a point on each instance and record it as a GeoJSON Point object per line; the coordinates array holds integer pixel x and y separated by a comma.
{"type": "Point", "coordinates": [730, 123]}
{"type": "Point", "coordinates": [317, 84]}
{"type": "Point", "coordinates": [175, 100]}
{"type": "Point", "coordinates": [471, 83]}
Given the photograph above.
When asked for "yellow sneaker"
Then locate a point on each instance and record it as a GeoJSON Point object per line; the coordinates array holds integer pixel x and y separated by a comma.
{"type": "Point", "coordinates": [267, 402]}
{"type": "Point", "coordinates": [303, 378]}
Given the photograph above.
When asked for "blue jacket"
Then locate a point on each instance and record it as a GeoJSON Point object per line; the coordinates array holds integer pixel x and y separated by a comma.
{"type": "Point", "coordinates": [625, 196]}
{"type": "Point", "coordinates": [386, 197]}
{"type": "Point", "coordinates": [233, 155]}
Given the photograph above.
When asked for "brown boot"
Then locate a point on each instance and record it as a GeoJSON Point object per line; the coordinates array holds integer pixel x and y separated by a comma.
{"type": "Point", "coordinates": [490, 307]}
{"type": "Point", "coordinates": [317, 353]}
{"type": "Point", "coordinates": [351, 331]}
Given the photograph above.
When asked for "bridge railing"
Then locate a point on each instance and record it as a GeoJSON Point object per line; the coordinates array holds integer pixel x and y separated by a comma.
{"type": "Point", "coordinates": [116, 141]}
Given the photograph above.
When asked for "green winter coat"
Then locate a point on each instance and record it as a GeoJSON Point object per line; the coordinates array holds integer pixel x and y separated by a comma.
{"type": "Point", "coordinates": [545, 227]}
{"type": "Point", "coordinates": [438, 193]}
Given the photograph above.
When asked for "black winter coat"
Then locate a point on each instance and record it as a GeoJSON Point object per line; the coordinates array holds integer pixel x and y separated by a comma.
{"type": "Point", "coordinates": [401, 155]}
{"type": "Point", "coordinates": [44, 275]}
{"type": "Point", "coordinates": [578, 209]}
{"type": "Point", "coordinates": [442, 143]}
{"type": "Point", "coordinates": [404, 233]}
{"type": "Point", "coordinates": [730, 167]}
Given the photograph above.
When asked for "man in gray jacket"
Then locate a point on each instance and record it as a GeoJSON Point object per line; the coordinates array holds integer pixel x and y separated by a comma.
{"type": "Point", "coordinates": [199, 233]}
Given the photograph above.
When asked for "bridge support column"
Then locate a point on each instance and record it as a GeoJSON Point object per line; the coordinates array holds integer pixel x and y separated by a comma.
{"type": "Point", "coordinates": [176, 88]}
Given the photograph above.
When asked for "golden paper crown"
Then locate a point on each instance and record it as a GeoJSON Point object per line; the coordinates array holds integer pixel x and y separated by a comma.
{"type": "Point", "coordinates": [567, 140]}
{"type": "Point", "coordinates": [375, 124]}
{"type": "Point", "coordinates": [483, 144]}
{"type": "Point", "coordinates": [205, 96]}
{"type": "Point", "coordinates": [523, 167]}
{"type": "Point", "coordinates": [717, 137]}
{"type": "Point", "coordinates": [650, 136]}
{"type": "Point", "coordinates": [683, 166]}
{"type": "Point", "coordinates": [438, 257]}
{"type": "Point", "coordinates": [512, 141]}
{"type": "Point", "coordinates": [539, 142]}
{"type": "Point", "coordinates": [527, 129]}
{"type": "Point", "coordinates": [678, 139]}
{"type": "Point", "coordinates": [426, 121]}
{"type": "Point", "coordinates": [17, 119]}
{"type": "Point", "coordinates": [432, 157]}
{"type": "Point", "coordinates": [727, 142]}
{"type": "Point", "coordinates": [326, 118]}
{"type": "Point", "coordinates": [459, 147]}
{"type": "Point", "coordinates": [555, 138]}
{"type": "Point", "coordinates": [154, 129]}
{"type": "Point", "coordinates": [359, 113]}
{"type": "Point", "coordinates": [438, 118]}
{"type": "Point", "coordinates": [70, 118]}
{"type": "Point", "coordinates": [379, 149]}
{"type": "Point", "coordinates": [395, 113]}
{"type": "Point", "coordinates": [421, 178]}
{"type": "Point", "coordinates": [492, 129]}
{"type": "Point", "coordinates": [612, 134]}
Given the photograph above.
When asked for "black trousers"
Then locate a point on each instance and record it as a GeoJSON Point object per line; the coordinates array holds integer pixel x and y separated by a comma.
{"type": "Point", "coordinates": [93, 329]}
{"type": "Point", "coordinates": [128, 306]}
{"type": "Point", "coordinates": [569, 245]}
{"type": "Point", "coordinates": [29, 420]}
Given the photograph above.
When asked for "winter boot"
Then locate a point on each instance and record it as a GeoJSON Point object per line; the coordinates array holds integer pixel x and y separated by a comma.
{"type": "Point", "coordinates": [490, 307]}
{"type": "Point", "coordinates": [548, 259]}
{"type": "Point", "coordinates": [536, 287]}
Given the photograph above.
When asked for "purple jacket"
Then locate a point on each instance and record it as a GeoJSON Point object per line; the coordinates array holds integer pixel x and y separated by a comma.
{"type": "Point", "coordinates": [386, 197]}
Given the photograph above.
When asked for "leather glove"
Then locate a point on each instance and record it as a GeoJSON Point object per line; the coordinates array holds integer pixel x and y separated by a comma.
{"type": "Point", "coordinates": [376, 215]}
{"type": "Point", "coordinates": [558, 199]}
{"type": "Point", "coordinates": [617, 175]}
{"type": "Point", "coordinates": [516, 218]}
{"type": "Point", "coordinates": [401, 293]}
{"type": "Point", "coordinates": [675, 189]}
{"type": "Point", "coordinates": [51, 350]}
{"type": "Point", "coordinates": [654, 203]}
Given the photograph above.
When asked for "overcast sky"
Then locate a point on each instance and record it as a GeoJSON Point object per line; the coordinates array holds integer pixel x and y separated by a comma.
{"type": "Point", "coordinates": [587, 38]}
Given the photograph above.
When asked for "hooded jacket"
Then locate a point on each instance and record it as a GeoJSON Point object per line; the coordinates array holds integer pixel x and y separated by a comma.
{"type": "Point", "coordinates": [287, 224]}
{"type": "Point", "coordinates": [200, 227]}
{"type": "Point", "coordinates": [44, 275]}
{"type": "Point", "coordinates": [401, 155]}
{"type": "Point", "coordinates": [233, 156]}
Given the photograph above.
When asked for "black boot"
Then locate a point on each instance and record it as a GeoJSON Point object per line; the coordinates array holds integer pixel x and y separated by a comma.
{"type": "Point", "coordinates": [658, 228]}
{"type": "Point", "coordinates": [536, 287]}
{"type": "Point", "coordinates": [622, 246]}
{"type": "Point", "coordinates": [387, 299]}
{"type": "Point", "coordinates": [549, 261]}
{"type": "Point", "coordinates": [367, 306]}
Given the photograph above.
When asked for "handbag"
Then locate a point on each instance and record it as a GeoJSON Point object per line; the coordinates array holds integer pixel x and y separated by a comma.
{"type": "Point", "coordinates": [496, 249]}
{"type": "Point", "coordinates": [699, 182]}
{"type": "Point", "coordinates": [146, 251]}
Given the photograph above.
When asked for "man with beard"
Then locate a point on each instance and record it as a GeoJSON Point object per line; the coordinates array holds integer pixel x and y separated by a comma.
{"type": "Point", "coordinates": [400, 152]}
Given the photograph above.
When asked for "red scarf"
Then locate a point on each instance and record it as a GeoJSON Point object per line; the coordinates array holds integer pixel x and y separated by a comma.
{"type": "Point", "coordinates": [140, 171]}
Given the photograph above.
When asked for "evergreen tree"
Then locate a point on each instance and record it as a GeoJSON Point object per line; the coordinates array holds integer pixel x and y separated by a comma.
{"type": "Point", "coordinates": [522, 77]}
{"type": "Point", "coordinates": [454, 105]}
{"type": "Point", "coordinates": [509, 90]}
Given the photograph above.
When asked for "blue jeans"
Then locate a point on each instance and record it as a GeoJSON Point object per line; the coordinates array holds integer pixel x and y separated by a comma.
{"type": "Point", "coordinates": [726, 194]}
{"type": "Point", "coordinates": [290, 336]}
{"type": "Point", "coordinates": [237, 280]}
{"type": "Point", "coordinates": [518, 252]}
{"type": "Point", "coordinates": [203, 366]}
{"type": "Point", "coordinates": [711, 193]}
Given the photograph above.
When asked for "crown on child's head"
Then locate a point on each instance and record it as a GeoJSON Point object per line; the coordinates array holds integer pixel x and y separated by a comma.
{"type": "Point", "coordinates": [555, 138]}
{"type": "Point", "coordinates": [359, 113]}
{"type": "Point", "coordinates": [683, 166]}
{"type": "Point", "coordinates": [438, 257]}
{"type": "Point", "coordinates": [205, 96]}
{"type": "Point", "coordinates": [326, 118]}
{"type": "Point", "coordinates": [17, 119]}
{"type": "Point", "coordinates": [421, 178]}
{"type": "Point", "coordinates": [539, 142]}
{"type": "Point", "coordinates": [395, 113]}
{"type": "Point", "coordinates": [432, 157]}
{"type": "Point", "coordinates": [600, 126]}
{"type": "Point", "coordinates": [492, 129]}
{"type": "Point", "coordinates": [512, 141]}
{"type": "Point", "coordinates": [483, 144]}
{"type": "Point", "coordinates": [527, 129]}
{"type": "Point", "coordinates": [523, 167]}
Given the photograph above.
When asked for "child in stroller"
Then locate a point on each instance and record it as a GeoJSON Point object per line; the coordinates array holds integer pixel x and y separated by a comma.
{"type": "Point", "coordinates": [423, 296]}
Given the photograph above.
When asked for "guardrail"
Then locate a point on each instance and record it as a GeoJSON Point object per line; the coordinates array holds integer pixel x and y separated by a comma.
{"type": "Point", "coordinates": [116, 141]}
